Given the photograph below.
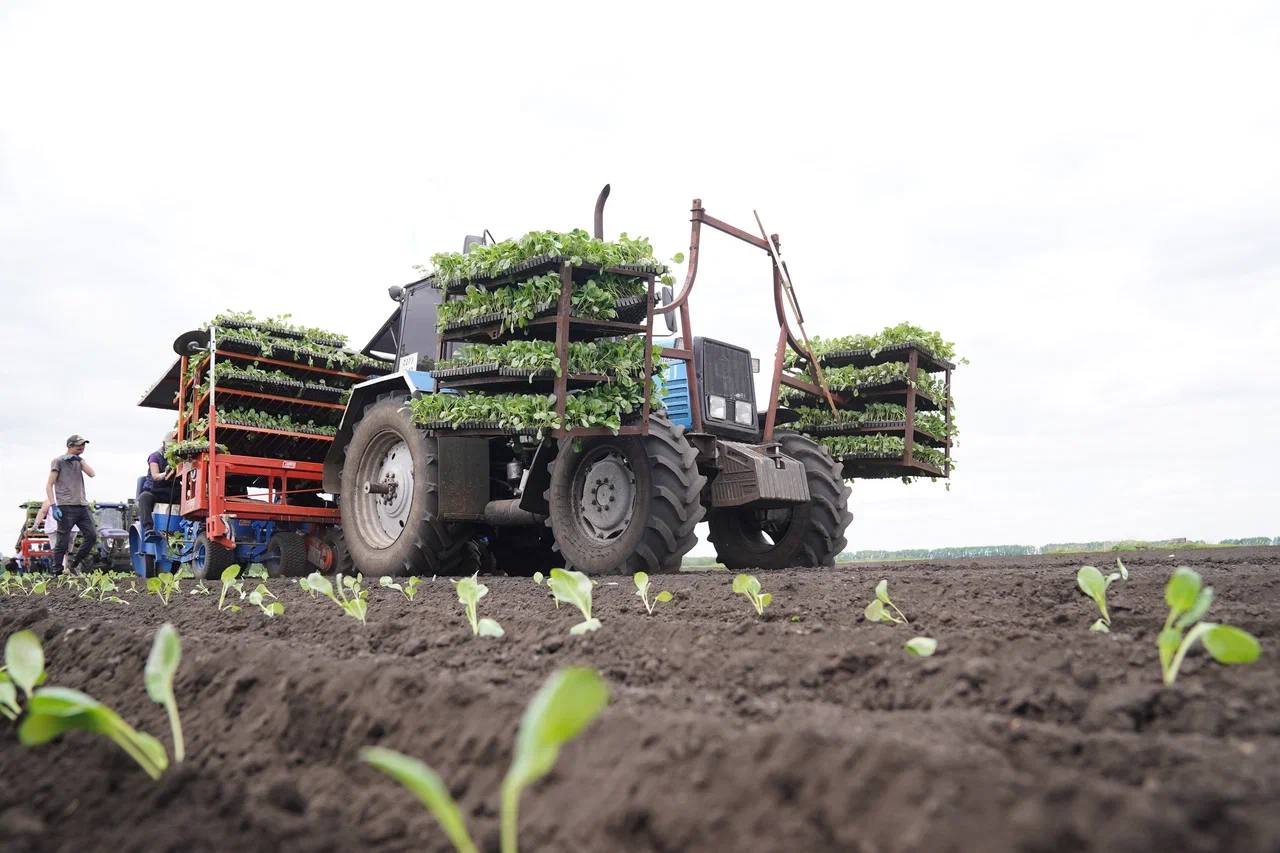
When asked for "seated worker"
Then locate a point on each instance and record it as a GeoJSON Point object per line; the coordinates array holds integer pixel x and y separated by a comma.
{"type": "Point", "coordinates": [158, 486]}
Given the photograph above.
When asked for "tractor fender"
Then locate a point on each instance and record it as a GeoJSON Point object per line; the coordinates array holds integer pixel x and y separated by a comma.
{"type": "Point", "coordinates": [407, 382]}
{"type": "Point", "coordinates": [538, 479]}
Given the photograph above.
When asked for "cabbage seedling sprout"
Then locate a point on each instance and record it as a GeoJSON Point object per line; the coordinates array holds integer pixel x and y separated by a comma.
{"type": "Point", "coordinates": [427, 785]}
{"type": "Point", "coordinates": [749, 585]}
{"type": "Point", "coordinates": [921, 647]}
{"type": "Point", "coordinates": [54, 710]}
{"type": "Point", "coordinates": [877, 610]}
{"type": "Point", "coordinates": [162, 663]}
{"type": "Point", "coordinates": [409, 589]}
{"type": "Point", "coordinates": [355, 606]}
{"type": "Point", "coordinates": [1093, 584]}
{"type": "Point", "coordinates": [574, 588]}
{"type": "Point", "coordinates": [642, 590]}
{"type": "Point", "coordinates": [1188, 601]}
{"type": "Point", "coordinates": [470, 591]}
{"type": "Point", "coordinates": [258, 598]}
{"type": "Point", "coordinates": [24, 660]}
{"type": "Point", "coordinates": [229, 575]}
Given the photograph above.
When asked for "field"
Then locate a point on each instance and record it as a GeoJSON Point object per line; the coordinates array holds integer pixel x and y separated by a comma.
{"type": "Point", "coordinates": [809, 729]}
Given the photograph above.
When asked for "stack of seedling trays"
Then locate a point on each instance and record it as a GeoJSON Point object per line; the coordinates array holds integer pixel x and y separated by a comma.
{"type": "Point", "coordinates": [894, 412]}
{"type": "Point", "coordinates": [279, 390]}
{"type": "Point", "coordinates": [483, 315]}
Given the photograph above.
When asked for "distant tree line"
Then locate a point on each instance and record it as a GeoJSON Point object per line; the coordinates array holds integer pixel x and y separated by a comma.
{"type": "Point", "coordinates": [967, 551]}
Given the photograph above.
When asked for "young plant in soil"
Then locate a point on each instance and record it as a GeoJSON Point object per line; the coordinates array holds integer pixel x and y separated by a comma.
{"type": "Point", "coordinates": [259, 597]}
{"type": "Point", "coordinates": [574, 588]}
{"type": "Point", "coordinates": [230, 580]}
{"type": "Point", "coordinates": [351, 596]}
{"type": "Point", "coordinates": [23, 668]}
{"type": "Point", "coordinates": [162, 663]}
{"type": "Point", "coordinates": [470, 591]}
{"type": "Point", "coordinates": [54, 710]}
{"type": "Point", "coordinates": [749, 585]}
{"type": "Point", "coordinates": [1188, 600]}
{"type": "Point", "coordinates": [642, 590]}
{"type": "Point", "coordinates": [1093, 584]}
{"type": "Point", "coordinates": [877, 610]}
{"type": "Point", "coordinates": [564, 706]}
{"type": "Point", "coordinates": [409, 589]}
{"type": "Point", "coordinates": [921, 647]}
{"type": "Point", "coordinates": [165, 584]}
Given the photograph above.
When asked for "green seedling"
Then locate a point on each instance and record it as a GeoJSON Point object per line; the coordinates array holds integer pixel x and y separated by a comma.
{"type": "Point", "coordinates": [257, 570]}
{"type": "Point", "coordinates": [538, 578]}
{"type": "Point", "coordinates": [642, 590]}
{"type": "Point", "coordinates": [749, 585]}
{"type": "Point", "coordinates": [878, 609]}
{"type": "Point", "coordinates": [40, 587]}
{"type": "Point", "coordinates": [921, 647]}
{"type": "Point", "coordinates": [230, 580]}
{"type": "Point", "coordinates": [23, 665]}
{"type": "Point", "coordinates": [351, 596]}
{"type": "Point", "coordinates": [258, 598]}
{"type": "Point", "coordinates": [9, 707]}
{"type": "Point", "coordinates": [1093, 584]}
{"type": "Point", "coordinates": [409, 589]}
{"type": "Point", "coordinates": [54, 710]}
{"type": "Point", "coordinates": [574, 588]}
{"type": "Point", "coordinates": [162, 586]}
{"type": "Point", "coordinates": [564, 706]}
{"type": "Point", "coordinates": [201, 589]}
{"type": "Point", "coordinates": [470, 591]}
{"type": "Point", "coordinates": [162, 663]}
{"type": "Point", "coordinates": [1188, 601]}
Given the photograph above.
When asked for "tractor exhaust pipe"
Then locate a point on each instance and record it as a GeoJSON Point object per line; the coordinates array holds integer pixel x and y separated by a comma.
{"type": "Point", "coordinates": [507, 513]}
{"type": "Point", "coordinates": [600, 200]}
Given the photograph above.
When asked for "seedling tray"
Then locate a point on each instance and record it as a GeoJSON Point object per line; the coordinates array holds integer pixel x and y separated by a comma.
{"type": "Point", "coordinates": [488, 327]}
{"type": "Point", "coordinates": [857, 399]}
{"type": "Point", "coordinates": [494, 377]}
{"type": "Point", "coordinates": [926, 360]}
{"type": "Point", "coordinates": [486, 427]}
{"type": "Point", "coordinates": [541, 265]}
{"type": "Point", "coordinates": [873, 428]}
{"type": "Point", "coordinates": [281, 332]}
{"type": "Point", "coordinates": [283, 388]}
{"type": "Point", "coordinates": [871, 465]}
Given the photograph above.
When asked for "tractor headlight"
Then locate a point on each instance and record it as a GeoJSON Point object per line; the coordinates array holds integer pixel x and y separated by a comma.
{"type": "Point", "coordinates": [717, 407]}
{"type": "Point", "coordinates": [744, 413]}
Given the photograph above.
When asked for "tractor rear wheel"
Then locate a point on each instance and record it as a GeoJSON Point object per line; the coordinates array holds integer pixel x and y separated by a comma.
{"type": "Point", "coordinates": [626, 503]}
{"type": "Point", "coordinates": [390, 498]}
{"type": "Point", "coordinates": [809, 534]}
{"type": "Point", "coordinates": [286, 555]}
{"type": "Point", "coordinates": [208, 558]}
{"type": "Point", "coordinates": [342, 562]}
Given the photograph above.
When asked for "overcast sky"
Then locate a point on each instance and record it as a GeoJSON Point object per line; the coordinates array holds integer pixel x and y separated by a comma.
{"type": "Point", "coordinates": [1086, 199]}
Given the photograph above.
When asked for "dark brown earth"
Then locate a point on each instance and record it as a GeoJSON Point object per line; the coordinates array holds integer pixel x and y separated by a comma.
{"type": "Point", "coordinates": [806, 730]}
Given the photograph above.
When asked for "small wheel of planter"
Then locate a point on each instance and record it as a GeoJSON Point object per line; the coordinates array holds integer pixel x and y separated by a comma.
{"type": "Point", "coordinates": [286, 555]}
{"type": "Point", "coordinates": [208, 559]}
{"type": "Point", "coordinates": [809, 534]}
{"type": "Point", "coordinates": [342, 561]}
{"type": "Point", "coordinates": [390, 498]}
{"type": "Point", "coordinates": [626, 503]}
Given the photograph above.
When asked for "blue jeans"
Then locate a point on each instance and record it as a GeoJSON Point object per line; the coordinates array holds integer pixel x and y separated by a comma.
{"type": "Point", "coordinates": [74, 516]}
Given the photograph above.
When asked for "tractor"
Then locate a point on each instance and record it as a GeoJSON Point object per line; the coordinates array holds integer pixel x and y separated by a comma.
{"type": "Point", "coordinates": [424, 500]}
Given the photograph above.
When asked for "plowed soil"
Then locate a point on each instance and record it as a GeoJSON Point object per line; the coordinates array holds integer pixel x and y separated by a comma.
{"type": "Point", "coordinates": [809, 729]}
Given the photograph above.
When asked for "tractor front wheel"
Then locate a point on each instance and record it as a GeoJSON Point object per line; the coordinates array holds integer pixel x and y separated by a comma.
{"type": "Point", "coordinates": [286, 555]}
{"type": "Point", "coordinates": [390, 497]}
{"type": "Point", "coordinates": [810, 534]}
{"type": "Point", "coordinates": [626, 503]}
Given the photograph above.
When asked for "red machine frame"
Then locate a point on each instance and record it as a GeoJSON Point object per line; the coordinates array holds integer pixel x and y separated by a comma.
{"type": "Point", "coordinates": [204, 478]}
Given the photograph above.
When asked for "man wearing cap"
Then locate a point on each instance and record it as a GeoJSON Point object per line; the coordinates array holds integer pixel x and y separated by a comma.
{"type": "Point", "coordinates": [65, 491]}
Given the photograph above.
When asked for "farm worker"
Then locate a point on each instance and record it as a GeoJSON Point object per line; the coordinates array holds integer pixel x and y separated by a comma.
{"type": "Point", "coordinates": [50, 523]}
{"type": "Point", "coordinates": [65, 492]}
{"type": "Point", "coordinates": [158, 485]}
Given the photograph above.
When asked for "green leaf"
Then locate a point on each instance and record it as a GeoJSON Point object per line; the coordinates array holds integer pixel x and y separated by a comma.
{"type": "Point", "coordinates": [746, 585]}
{"type": "Point", "coordinates": [1100, 626]}
{"type": "Point", "coordinates": [230, 573]}
{"type": "Point", "coordinates": [882, 590]}
{"type": "Point", "coordinates": [538, 578]}
{"type": "Point", "coordinates": [9, 706]}
{"type": "Point", "coordinates": [1124, 572]}
{"type": "Point", "coordinates": [921, 647]}
{"type": "Point", "coordinates": [1091, 582]}
{"type": "Point", "coordinates": [583, 627]}
{"type": "Point", "coordinates": [642, 581]}
{"type": "Point", "coordinates": [319, 583]}
{"type": "Point", "coordinates": [24, 660]}
{"type": "Point", "coordinates": [765, 600]}
{"type": "Point", "coordinates": [875, 611]}
{"type": "Point", "coordinates": [275, 608]}
{"type": "Point", "coordinates": [1168, 642]}
{"type": "Point", "coordinates": [1182, 589]}
{"type": "Point", "coordinates": [664, 596]}
{"type": "Point", "coordinates": [572, 588]}
{"type": "Point", "coordinates": [428, 787]}
{"type": "Point", "coordinates": [1197, 611]}
{"type": "Point", "coordinates": [162, 663]}
{"type": "Point", "coordinates": [489, 628]}
{"type": "Point", "coordinates": [561, 709]}
{"type": "Point", "coordinates": [1231, 645]}
{"type": "Point", "coordinates": [54, 710]}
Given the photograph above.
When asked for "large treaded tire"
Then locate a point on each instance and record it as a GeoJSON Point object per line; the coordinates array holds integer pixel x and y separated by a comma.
{"type": "Point", "coordinates": [342, 562]}
{"type": "Point", "coordinates": [209, 558]}
{"type": "Point", "coordinates": [425, 545]}
{"type": "Point", "coordinates": [666, 508]}
{"type": "Point", "coordinates": [286, 555]}
{"type": "Point", "coordinates": [815, 534]}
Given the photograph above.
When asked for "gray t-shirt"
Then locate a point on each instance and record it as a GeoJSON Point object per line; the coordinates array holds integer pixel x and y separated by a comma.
{"type": "Point", "coordinates": [68, 489]}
